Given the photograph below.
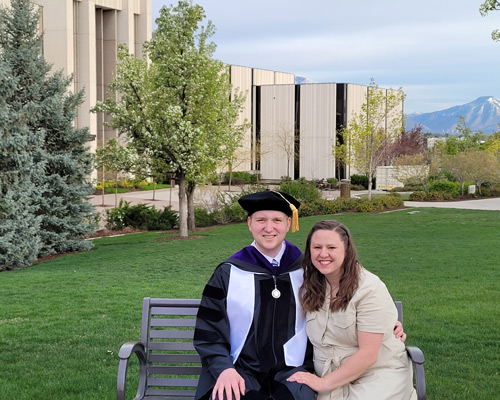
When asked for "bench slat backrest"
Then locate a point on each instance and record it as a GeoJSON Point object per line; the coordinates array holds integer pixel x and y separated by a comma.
{"type": "Point", "coordinates": [173, 365]}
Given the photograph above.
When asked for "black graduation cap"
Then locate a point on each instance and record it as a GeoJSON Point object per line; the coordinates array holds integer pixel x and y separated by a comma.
{"type": "Point", "coordinates": [272, 200]}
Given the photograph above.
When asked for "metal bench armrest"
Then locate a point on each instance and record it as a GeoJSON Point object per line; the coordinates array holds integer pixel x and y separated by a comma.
{"type": "Point", "coordinates": [417, 359]}
{"type": "Point", "coordinates": [126, 351]}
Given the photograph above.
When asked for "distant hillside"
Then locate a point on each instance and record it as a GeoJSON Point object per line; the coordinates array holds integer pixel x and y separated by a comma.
{"type": "Point", "coordinates": [300, 79]}
{"type": "Point", "coordinates": [483, 114]}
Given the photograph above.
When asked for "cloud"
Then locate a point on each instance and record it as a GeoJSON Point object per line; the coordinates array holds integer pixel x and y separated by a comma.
{"type": "Point", "coordinates": [437, 51]}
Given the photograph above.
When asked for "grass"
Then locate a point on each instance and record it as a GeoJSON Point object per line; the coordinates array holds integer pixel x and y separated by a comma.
{"type": "Point", "coordinates": [62, 321]}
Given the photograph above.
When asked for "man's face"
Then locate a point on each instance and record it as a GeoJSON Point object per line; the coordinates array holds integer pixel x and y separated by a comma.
{"type": "Point", "coordinates": [269, 229]}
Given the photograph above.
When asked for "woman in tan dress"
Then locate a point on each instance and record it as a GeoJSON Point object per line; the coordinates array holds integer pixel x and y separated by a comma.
{"type": "Point", "coordinates": [350, 320]}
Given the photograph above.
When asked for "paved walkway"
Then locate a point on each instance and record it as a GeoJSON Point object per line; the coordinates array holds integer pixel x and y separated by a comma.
{"type": "Point", "coordinates": [205, 196]}
{"type": "Point", "coordinates": [480, 204]}
{"type": "Point", "coordinates": [162, 198]}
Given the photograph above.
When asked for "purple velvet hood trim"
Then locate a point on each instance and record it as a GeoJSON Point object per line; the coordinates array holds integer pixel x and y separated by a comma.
{"type": "Point", "coordinates": [253, 256]}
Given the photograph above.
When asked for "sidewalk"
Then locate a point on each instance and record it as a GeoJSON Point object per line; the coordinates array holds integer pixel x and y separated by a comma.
{"type": "Point", "coordinates": [479, 204]}
{"type": "Point", "coordinates": [205, 196]}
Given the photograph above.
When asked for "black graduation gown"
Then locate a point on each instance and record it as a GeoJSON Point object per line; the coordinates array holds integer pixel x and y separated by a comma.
{"type": "Point", "coordinates": [261, 361]}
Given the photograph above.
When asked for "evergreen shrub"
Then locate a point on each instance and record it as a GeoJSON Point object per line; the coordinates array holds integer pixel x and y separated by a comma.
{"type": "Point", "coordinates": [202, 217]}
{"type": "Point", "coordinates": [242, 177]}
{"type": "Point", "coordinates": [141, 216]}
{"type": "Point", "coordinates": [359, 180]}
{"type": "Point", "coordinates": [239, 214]}
{"type": "Point", "coordinates": [309, 209]}
{"type": "Point", "coordinates": [302, 190]}
{"type": "Point", "coordinates": [491, 191]}
{"type": "Point", "coordinates": [332, 182]}
{"type": "Point", "coordinates": [445, 186]}
{"type": "Point", "coordinates": [418, 196]}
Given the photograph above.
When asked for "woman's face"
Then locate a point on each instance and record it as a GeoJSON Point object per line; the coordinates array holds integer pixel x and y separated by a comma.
{"type": "Point", "coordinates": [328, 253]}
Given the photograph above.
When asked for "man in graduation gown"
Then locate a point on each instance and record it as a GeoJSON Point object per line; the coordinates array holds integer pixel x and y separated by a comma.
{"type": "Point", "coordinates": [250, 330]}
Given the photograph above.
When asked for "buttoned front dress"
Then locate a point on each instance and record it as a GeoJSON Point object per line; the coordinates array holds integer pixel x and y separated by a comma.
{"type": "Point", "coordinates": [334, 337]}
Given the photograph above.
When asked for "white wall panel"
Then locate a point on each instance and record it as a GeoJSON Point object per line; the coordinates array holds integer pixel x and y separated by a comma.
{"type": "Point", "coordinates": [241, 82]}
{"type": "Point", "coordinates": [277, 130]}
{"type": "Point", "coordinates": [263, 76]}
{"type": "Point", "coordinates": [317, 130]}
{"type": "Point", "coordinates": [284, 78]}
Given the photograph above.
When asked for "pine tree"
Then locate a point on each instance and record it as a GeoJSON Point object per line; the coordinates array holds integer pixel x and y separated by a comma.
{"type": "Point", "coordinates": [67, 214]}
{"type": "Point", "coordinates": [21, 74]}
{"type": "Point", "coordinates": [44, 163]}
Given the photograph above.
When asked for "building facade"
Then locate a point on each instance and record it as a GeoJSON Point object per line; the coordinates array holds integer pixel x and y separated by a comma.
{"type": "Point", "coordinates": [81, 39]}
{"type": "Point", "coordinates": [293, 128]}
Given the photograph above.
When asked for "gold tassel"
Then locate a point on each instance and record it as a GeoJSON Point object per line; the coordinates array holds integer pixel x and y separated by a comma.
{"type": "Point", "coordinates": [295, 213]}
{"type": "Point", "coordinates": [295, 218]}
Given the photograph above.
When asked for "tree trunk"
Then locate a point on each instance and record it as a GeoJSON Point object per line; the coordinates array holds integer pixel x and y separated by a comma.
{"type": "Point", "coordinates": [183, 227]}
{"type": "Point", "coordinates": [103, 203]}
{"type": "Point", "coordinates": [190, 205]}
{"type": "Point", "coordinates": [116, 190]}
{"type": "Point", "coordinates": [370, 180]}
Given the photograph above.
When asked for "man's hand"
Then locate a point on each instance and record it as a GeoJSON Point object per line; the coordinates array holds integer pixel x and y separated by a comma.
{"type": "Point", "coordinates": [398, 331]}
{"type": "Point", "coordinates": [229, 381]}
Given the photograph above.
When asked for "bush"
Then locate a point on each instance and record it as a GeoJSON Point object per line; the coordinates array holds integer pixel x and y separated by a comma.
{"type": "Point", "coordinates": [309, 209]}
{"type": "Point", "coordinates": [202, 217]}
{"type": "Point", "coordinates": [241, 178]}
{"type": "Point", "coordinates": [431, 196]}
{"type": "Point", "coordinates": [239, 214]}
{"type": "Point", "coordinates": [359, 180]}
{"type": "Point", "coordinates": [222, 216]}
{"type": "Point", "coordinates": [332, 182]}
{"type": "Point", "coordinates": [490, 192]}
{"type": "Point", "coordinates": [445, 186]}
{"type": "Point", "coordinates": [418, 196]}
{"type": "Point", "coordinates": [357, 187]}
{"type": "Point", "coordinates": [140, 216]}
{"type": "Point", "coordinates": [302, 190]}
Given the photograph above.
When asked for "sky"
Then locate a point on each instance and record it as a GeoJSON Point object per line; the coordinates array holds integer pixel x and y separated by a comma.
{"type": "Point", "coordinates": [439, 52]}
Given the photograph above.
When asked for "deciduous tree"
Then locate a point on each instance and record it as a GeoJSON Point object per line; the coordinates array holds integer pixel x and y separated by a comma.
{"type": "Point", "coordinates": [409, 143]}
{"type": "Point", "coordinates": [482, 167]}
{"type": "Point", "coordinates": [458, 166]}
{"type": "Point", "coordinates": [415, 168]}
{"type": "Point", "coordinates": [180, 104]}
{"type": "Point", "coordinates": [465, 140]}
{"type": "Point", "coordinates": [486, 7]}
{"type": "Point", "coordinates": [113, 159]}
{"type": "Point", "coordinates": [371, 132]}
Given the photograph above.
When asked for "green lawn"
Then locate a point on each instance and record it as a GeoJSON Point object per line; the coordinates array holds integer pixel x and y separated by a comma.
{"type": "Point", "coordinates": [62, 321]}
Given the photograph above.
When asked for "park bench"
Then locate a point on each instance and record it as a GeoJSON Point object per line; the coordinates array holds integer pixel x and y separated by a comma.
{"type": "Point", "coordinates": [169, 366]}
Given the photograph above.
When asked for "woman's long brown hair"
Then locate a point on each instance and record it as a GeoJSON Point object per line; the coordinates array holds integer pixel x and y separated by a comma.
{"type": "Point", "coordinates": [313, 289]}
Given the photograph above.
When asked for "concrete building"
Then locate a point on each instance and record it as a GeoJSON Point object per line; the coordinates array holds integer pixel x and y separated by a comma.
{"type": "Point", "coordinates": [293, 128]}
{"type": "Point", "coordinates": [81, 38]}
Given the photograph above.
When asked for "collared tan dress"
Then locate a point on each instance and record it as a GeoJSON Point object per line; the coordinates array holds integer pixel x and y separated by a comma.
{"type": "Point", "coordinates": [334, 337]}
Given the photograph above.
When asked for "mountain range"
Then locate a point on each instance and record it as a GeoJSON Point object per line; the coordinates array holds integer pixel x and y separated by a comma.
{"type": "Point", "coordinates": [482, 114]}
